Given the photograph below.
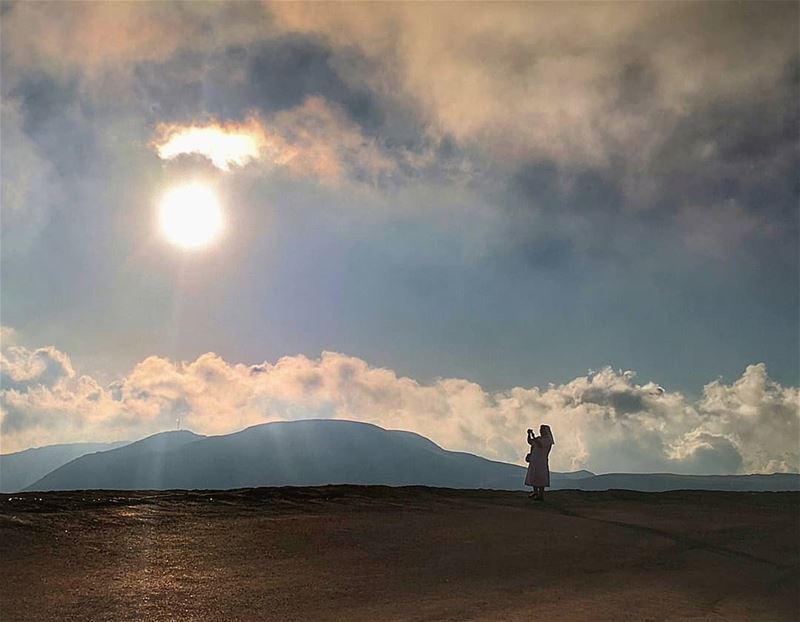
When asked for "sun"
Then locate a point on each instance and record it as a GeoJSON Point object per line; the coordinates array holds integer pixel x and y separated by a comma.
{"type": "Point", "coordinates": [190, 216]}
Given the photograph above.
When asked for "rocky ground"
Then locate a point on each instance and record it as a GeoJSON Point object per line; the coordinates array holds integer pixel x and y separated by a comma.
{"type": "Point", "coordinates": [373, 553]}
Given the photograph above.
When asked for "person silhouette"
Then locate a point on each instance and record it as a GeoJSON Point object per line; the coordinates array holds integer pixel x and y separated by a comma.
{"type": "Point", "coordinates": [538, 475]}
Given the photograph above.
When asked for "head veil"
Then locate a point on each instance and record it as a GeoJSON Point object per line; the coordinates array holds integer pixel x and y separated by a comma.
{"type": "Point", "coordinates": [546, 431]}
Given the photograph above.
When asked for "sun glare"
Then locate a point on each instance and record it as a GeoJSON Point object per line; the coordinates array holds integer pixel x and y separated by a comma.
{"type": "Point", "coordinates": [190, 216]}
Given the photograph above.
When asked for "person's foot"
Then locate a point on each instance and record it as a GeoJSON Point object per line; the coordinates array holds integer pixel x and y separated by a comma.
{"type": "Point", "coordinates": [531, 495]}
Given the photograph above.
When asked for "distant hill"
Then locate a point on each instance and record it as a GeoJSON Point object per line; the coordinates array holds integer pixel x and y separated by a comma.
{"type": "Point", "coordinates": [319, 452]}
{"type": "Point", "coordinates": [573, 475]}
{"type": "Point", "coordinates": [661, 482]}
{"type": "Point", "coordinates": [136, 465]}
{"type": "Point", "coordinates": [298, 453]}
{"type": "Point", "coordinates": [21, 469]}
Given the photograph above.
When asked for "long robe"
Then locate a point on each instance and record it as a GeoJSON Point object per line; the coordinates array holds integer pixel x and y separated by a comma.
{"type": "Point", "coordinates": [539, 466]}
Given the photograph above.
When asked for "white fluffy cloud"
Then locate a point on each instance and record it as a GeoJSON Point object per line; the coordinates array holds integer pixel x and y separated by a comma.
{"type": "Point", "coordinates": [605, 421]}
{"type": "Point", "coordinates": [21, 368]}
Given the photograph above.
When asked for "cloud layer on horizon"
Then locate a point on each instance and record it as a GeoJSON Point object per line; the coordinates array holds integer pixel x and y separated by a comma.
{"type": "Point", "coordinates": [605, 421]}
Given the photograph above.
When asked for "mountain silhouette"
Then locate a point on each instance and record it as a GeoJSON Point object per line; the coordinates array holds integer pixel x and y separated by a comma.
{"type": "Point", "coordinates": [662, 482]}
{"type": "Point", "coordinates": [136, 465]}
{"type": "Point", "coordinates": [20, 469]}
{"type": "Point", "coordinates": [322, 451]}
{"type": "Point", "coordinates": [298, 453]}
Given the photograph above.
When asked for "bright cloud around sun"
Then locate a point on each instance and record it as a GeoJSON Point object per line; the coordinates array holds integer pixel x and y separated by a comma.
{"type": "Point", "coordinates": [313, 139]}
{"type": "Point", "coordinates": [223, 145]}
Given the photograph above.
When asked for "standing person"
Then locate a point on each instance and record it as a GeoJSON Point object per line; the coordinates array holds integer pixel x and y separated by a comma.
{"type": "Point", "coordinates": [538, 474]}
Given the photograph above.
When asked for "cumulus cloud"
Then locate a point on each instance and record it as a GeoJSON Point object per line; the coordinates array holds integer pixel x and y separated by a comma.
{"type": "Point", "coordinates": [604, 421]}
{"type": "Point", "coordinates": [40, 374]}
{"type": "Point", "coordinates": [21, 368]}
{"type": "Point", "coordinates": [9, 336]}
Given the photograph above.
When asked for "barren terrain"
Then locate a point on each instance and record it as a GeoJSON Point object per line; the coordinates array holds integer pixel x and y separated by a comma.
{"type": "Point", "coordinates": [376, 553]}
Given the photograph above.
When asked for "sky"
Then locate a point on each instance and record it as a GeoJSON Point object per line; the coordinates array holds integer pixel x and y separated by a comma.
{"type": "Point", "coordinates": [461, 220]}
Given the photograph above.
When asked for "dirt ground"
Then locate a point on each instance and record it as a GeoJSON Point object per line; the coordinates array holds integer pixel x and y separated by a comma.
{"type": "Point", "coordinates": [373, 553]}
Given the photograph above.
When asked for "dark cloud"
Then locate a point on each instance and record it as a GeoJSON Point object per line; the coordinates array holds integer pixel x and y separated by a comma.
{"type": "Point", "coordinates": [734, 147]}
{"type": "Point", "coordinates": [556, 218]}
{"type": "Point", "coordinates": [181, 88]}
{"type": "Point", "coordinates": [710, 455]}
{"type": "Point", "coordinates": [623, 402]}
{"type": "Point", "coordinates": [269, 76]}
{"type": "Point", "coordinates": [54, 116]}
{"type": "Point", "coordinates": [282, 73]}
{"type": "Point", "coordinates": [43, 98]}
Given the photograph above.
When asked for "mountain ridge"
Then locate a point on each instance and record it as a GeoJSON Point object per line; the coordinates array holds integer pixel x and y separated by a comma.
{"type": "Point", "coordinates": [20, 469]}
{"type": "Point", "coordinates": [314, 452]}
